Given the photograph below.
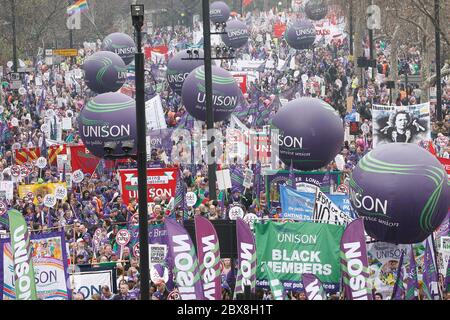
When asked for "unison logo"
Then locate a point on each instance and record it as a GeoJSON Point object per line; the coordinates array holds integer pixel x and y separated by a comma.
{"type": "Point", "coordinates": [107, 131]}
{"type": "Point", "coordinates": [22, 265]}
{"type": "Point", "coordinates": [209, 247]}
{"type": "Point", "coordinates": [288, 141]}
{"type": "Point", "coordinates": [219, 101]}
{"type": "Point", "coordinates": [355, 269]}
{"type": "Point", "coordinates": [305, 32]}
{"type": "Point", "coordinates": [184, 264]}
{"type": "Point", "coordinates": [368, 203]}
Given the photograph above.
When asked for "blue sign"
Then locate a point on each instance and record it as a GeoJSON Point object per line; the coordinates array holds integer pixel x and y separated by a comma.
{"type": "Point", "coordinates": [296, 205]}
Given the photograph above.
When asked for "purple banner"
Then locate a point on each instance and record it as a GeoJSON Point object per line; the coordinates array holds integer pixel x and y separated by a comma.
{"type": "Point", "coordinates": [399, 289]}
{"type": "Point", "coordinates": [430, 278]}
{"type": "Point", "coordinates": [313, 287]}
{"type": "Point", "coordinates": [208, 251]}
{"type": "Point", "coordinates": [185, 263]}
{"type": "Point", "coordinates": [354, 262]}
{"type": "Point", "coordinates": [246, 275]}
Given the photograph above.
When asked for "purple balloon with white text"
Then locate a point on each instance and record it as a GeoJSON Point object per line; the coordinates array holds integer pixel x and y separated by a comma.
{"type": "Point", "coordinates": [225, 94]}
{"type": "Point", "coordinates": [310, 134]}
{"type": "Point", "coordinates": [219, 12]}
{"type": "Point", "coordinates": [122, 45]}
{"type": "Point", "coordinates": [109, 117]}
{"type": "Point", "coordinates": [301, 34]}
{"type": "Point", "coordinates": [402, 191]}
{"type": "Point", "coordinates": [178, 69]}
{"type": "Point", "coordinates": [236, 34]}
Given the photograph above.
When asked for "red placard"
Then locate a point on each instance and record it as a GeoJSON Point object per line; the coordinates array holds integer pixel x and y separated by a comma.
{"type": "Point", "coordinates": [159, 182]}
{"type": "Point", "coordinates": [279, 29]}
{"type": "Point", "coordinates": [446, 163]}
{"type": "Point", "coordinates": [241, 80]}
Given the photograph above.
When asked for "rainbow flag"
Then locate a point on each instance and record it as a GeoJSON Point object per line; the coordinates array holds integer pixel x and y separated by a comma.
{"type": "Point", "coordinates": [78, 7]}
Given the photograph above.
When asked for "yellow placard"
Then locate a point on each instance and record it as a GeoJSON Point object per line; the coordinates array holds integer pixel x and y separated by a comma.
{"type": "Point", "coordinates": [65, 52]}
{"type": "Point", "coordinates": [39, 190]}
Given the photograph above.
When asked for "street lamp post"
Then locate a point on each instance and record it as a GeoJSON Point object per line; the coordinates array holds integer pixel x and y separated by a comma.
{"type": "Point", "coordinates": [13, 13]}
{"type": "Point", "coordinates": [209, 101]}
{"type": "Point", "coordinates": [438, 61]}
{"type": "Point", "coordinates": [137, 13]}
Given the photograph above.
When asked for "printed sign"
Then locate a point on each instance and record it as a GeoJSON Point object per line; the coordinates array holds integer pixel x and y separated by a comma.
{"type": "Point", "coordinates": [78, 176]}
{"type": "Point", "coordinates": [41, 163]}
{"type": "Point", "coordinates": [191, 199]}
{"type": "Point", "coordinates": [160, 182]}
{"type": "Point", "coordinates": [60, 192]}
{"type": "Point", "coordinates": [236, 212]}
{"type": "Point", "coordinates": [49, 201]}
{"type": "Point", "coordinates": [3, 208]}
{"type": "Point", "coordinates": [123, 237]}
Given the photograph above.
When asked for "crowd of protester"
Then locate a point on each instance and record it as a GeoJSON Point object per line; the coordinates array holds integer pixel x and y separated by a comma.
{"type": "Point", "coordinates": [97, 203]}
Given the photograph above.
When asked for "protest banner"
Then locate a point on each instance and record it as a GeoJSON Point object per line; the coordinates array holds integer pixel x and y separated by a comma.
{"type": "Point", "coordinates": [40, 190]}
{"type": "Point", "coordinates": [160, 182]}
{"type": "Point", "coordinates": [49, 256]}
{"type": "Point", "coordinates": [90, 281]}
{"type": "Point", "coordinates": [274, 179]}
{"type": "Point", "coordinates": [383, 264]}
{"type": "Point", "coordinates": [325, 211]}
{"type": "Point", "coordinates": [186, 267]}
{"type": "Point", "coordinates": [7, 190]}
{"type": "Point", "coordinates": [296, 205]}
{"type": "Point", "coordinates": [246, 246]}
{"type": "Point", "coordinates": [313, 287]}
{"type": "Point", "coordinates": [410, 124]}
{"type": "Point", "coordinates": [208, 257]}
{"type": "Point", "coordinates": [296, 248]}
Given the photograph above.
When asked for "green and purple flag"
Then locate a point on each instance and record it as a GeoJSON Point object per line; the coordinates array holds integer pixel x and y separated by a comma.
{"type": "Point", "coordinates": [412, 284]}
{"type": "Point", "coordinates": [276, 287]}
{"type": "Point", "coordinates": [246, 275]}
{"type": "Point", "coordinates": [430, 277]}
{"type": "Point", "coordinates": [185, 263]}
{"type": "Point", "coordinates": [399, 288]}
{"type": "Point", "coordinates": [209, 258]}
{"type": "Point", "coordinates": [313, 287]}
{"type": "Point", "coordinates": [354, 262]}
{"type": "Point", "coordinates": [23, 264]}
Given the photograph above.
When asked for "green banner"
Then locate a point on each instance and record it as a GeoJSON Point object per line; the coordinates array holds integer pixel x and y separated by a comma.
{"type": "Point", "coordinates": [23, 265]}
{"type": "Point", "coordinates": [291, 249]}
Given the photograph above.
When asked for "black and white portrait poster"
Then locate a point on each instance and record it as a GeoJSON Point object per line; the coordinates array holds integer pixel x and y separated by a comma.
{"type": "Point", "coordinates": [407, 124]}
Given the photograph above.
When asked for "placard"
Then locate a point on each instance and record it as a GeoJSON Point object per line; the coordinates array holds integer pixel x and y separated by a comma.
{"type": "Point", "coordinates": [41, 163]}
{"type": "Point", "coordinates": [60, 192]}
{"type": "Point", "coordinates": [78, 176]}
{"type": "Point", "coordinates": [236, 212]}
{"type": "Point", "coordinates": [191, 199]}
{"type": "Point", "coordinates": [224, 179]}
{"type": "Point", "coordinates": [49, 200]}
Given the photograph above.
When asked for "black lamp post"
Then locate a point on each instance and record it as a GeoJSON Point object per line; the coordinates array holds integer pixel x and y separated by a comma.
{"type": "Point", "coordinates": [438, 61]}
{"type": "Point", "coordinates": [13, 14]}
{"type": "Point", "coordinates": [137, 14]}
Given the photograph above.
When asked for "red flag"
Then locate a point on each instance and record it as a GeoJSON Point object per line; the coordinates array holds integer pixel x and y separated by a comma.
{"type": "Point", "coordinates": [54, 151]}
{"type": "Point", "coordinates": [27, 154]}
{"type": "Point", "coordinates": [446, 163]}
{"type": "Point", "coordinates": [431, 148]}
{"type": "Point", "coordinates": [82, 159]}
{"type": "Point", "coordinates": [246, 3]}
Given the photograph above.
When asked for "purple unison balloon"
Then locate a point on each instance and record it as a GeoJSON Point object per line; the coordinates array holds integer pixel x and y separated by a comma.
{"type": "Point", "coordinates": [109, 117]}
{"type": "Point", "coordinates": [310, 133]}
{"type": "Point", "coordinates": [219, 12]}
{"type": "Point", "coordinates": [122, 45]}
{"type": "Point", "coordinates": [402, 191]}
{"type": "Point", "coordinates": [236, 34]}
{"type": "Point", "coordinates": [316, 9]}
{"type": "Point", "coordinates": [104, 72]}
{"type": "Point", "coordinates": [178, 69]}
{"type": "Point", "coordinates": [301, 34]}
{"type": "Point", "coordinates": [225, 94]}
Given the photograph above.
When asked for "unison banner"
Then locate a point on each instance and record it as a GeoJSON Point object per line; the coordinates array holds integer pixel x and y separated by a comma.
{"type": "Point", "coordinates": [325, 211]}
{"type": "Point", "coordinates": [274, 179]}
{"type": "Point", "coordinates": [90, 281]}
{"type": "Point", "coordinates": [208, 257]}
{"type": "Point", "coordinates": [160, 182]}
{"type": "Point", "coordinates": [383, 264]}
{"type": "Point", "coordinates": [296, 248]}
{"type": "Point", "coordinates": [50, 267]}
{"type": "Point", "coordinates": [185, 263]}
{"type": "Point", "coordinates": [410, 124]}
{"type": "Point", "coordinates": [246, 246]}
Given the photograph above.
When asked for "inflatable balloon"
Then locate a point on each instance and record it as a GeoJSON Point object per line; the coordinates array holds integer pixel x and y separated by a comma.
{"type": "Point", "coordinates": [178, 69]}
{"type": "Point", "coordinates": [236, 35]}
{"type": "Point", "coordinates": [301, 34]}
{"type": "Point", "coordinates": [310, 133]}
{"type": "Point", "coordinates": [122, 45]}
{"type": "Point", "coordinates": [225, 94]}
{"type": "Point", "coordinates": [219, 12]}
{"type": "Point", "coordinates": [109, 117]}
{"type": "Point", "coordinates": [402, 191]}
{"type": "Point", "coordinates": [316, 9]}
{"type": "Point", "coordinates": [105, 71]}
